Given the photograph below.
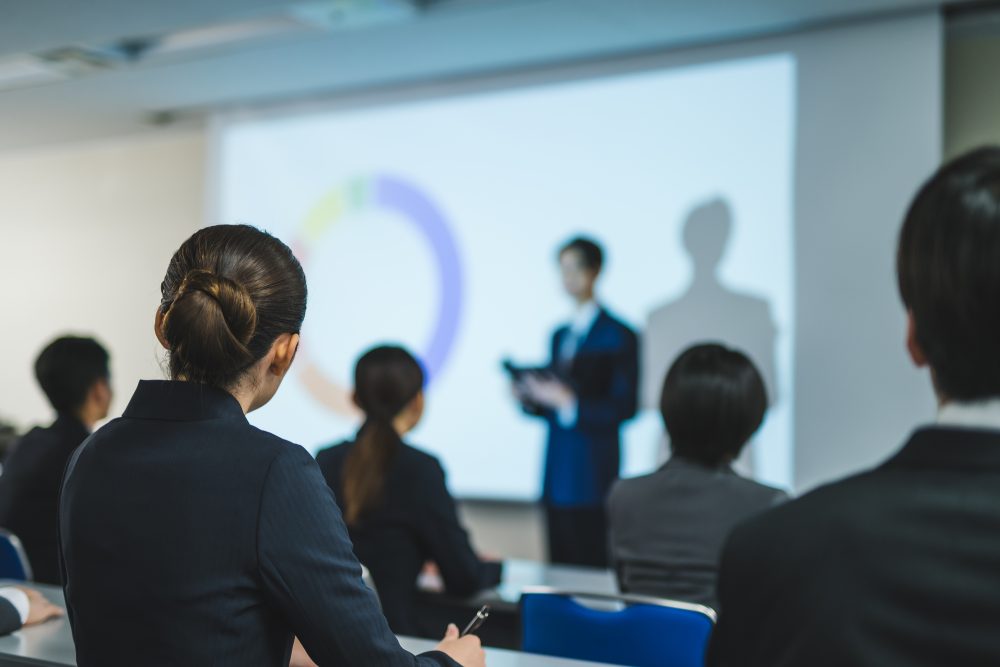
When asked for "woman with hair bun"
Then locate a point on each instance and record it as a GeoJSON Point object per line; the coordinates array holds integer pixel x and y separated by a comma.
{"type": "Point", "coordinates": [189, 537]}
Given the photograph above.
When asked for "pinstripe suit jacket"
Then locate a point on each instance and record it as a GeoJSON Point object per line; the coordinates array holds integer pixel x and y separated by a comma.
{"type": "Point", "coordinates": [189, 537]}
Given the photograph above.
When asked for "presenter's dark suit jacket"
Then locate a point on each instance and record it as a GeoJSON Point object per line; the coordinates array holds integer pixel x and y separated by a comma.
{"type": "Point", "coordinates": [896, 566]}
{"type": "Point", "coordinates": [582, 461]}
{"type": "Point", "coordinates": [189, 537]}
{"type": "Point", "coordinates": [415, 521]}
{"type": "Point", "coordinates": [667, 528]}
{"type": "Point", "coordinates": [29, 491]}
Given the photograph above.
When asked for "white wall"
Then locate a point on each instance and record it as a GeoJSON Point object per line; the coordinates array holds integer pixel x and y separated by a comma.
{"type": "Point", "coordinates": [870, 124]}
{"type": "Point", "coordinates": [87, 233]}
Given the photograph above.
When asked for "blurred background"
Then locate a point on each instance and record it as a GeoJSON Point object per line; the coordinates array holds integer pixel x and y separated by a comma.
{"type": "Point", "coordinates": [127, 124]}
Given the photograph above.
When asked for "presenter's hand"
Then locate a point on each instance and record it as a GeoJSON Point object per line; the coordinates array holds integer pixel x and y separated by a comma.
{"type": "Point", "coordinates": [548, 392]}
{"type": "Point", "coordinates": [466, 651]}
{"type": "Point", "coordinates": [518, 391]}
{"type": "Point", "coordinates": [39, 608]}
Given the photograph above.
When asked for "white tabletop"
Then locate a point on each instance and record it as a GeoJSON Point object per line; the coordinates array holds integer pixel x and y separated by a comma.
{"type": "Point", "coordinates": [521, 574]}
{"type": "Point", "coordinates": [498, 657]}
{"type": "Point", "coordinates": [51, 644]}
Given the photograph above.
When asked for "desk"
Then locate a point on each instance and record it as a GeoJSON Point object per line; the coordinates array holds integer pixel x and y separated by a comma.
{"type": "Point", "coordinates": [504, 627]}
{"type": "Point", "coordinates": [498, 657]}
{"type": "Point", "coordinates": [521, 574]}
{"type": "Point", "coordinates": [51, 645]}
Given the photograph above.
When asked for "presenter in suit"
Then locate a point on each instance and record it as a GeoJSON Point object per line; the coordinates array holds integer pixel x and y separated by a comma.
{"type": "Point", "coordinates": [189, 537]}
{"type": "Point", "coordinates": [73, 373]}
{"type": "Point", "coordinates": [587, 393]}
{"type": "Point", "coordinates": [898, 565]}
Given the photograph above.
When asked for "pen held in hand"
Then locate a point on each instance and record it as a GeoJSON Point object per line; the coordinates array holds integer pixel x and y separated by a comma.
{"type": "Point", "coordinates": [477, 620]}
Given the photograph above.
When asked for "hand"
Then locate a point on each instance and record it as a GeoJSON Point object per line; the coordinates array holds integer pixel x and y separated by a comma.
{"type": "Point", "coordinates": [430, 579]}
{"type": "Point", "coordinates": [548, 392]}
{"type": "Point", "coordinates": [466, 651]}
{"type": "Point", "coordinates": [299, 656]}
{"type": "Point", "coordinates": [39, 608]}
{"type": "Point", "coordinates": [518, 391]}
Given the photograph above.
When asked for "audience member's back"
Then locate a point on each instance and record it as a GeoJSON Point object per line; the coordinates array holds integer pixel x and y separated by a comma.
{"type": "Point", "coordinates": [898, 565]}
{"type": "Point", "coordinates": [395, 500]}
{"type": "Point", "coordinates": [73, 373]}
{"type": "Point", "coordinates": [668, 528]}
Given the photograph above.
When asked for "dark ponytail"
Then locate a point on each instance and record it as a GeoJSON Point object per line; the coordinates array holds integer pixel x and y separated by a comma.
{"type": "Point", "coordinates": [386, 380]}
{"type": "Point", "coordinates": [229, 292]}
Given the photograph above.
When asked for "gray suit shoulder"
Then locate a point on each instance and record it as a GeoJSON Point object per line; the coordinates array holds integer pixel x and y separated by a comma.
{"type": "Point", "coordinates": [644, 487]}
{"type": "Point", "coordinates": [768, 495]}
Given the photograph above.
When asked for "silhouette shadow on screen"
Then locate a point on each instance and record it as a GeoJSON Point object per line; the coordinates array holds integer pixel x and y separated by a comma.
{"type": "Point", "coordinates": [708, 310]}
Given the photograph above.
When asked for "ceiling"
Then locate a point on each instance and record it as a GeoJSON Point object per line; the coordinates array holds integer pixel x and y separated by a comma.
{"type": "Point", "coordinates": [384, 42]}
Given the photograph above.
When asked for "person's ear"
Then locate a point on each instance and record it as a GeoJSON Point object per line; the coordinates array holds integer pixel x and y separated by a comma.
{"type": "Point", "coordinates": [283, 353]}
{"type": "Point", "coordinates": [917, 353]}
{"type": "Point", "coordinates": [158, 328]}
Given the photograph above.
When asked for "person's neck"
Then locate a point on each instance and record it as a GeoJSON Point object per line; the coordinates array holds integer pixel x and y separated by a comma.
{"type": "Point", "coordinates": [401, 425]}
{"type": "Point", "coordinates": [584, 301]}
{"type": "Point", "coordinates": [244, 395]}
{"type": "Point", "coordinates": [85, 416]}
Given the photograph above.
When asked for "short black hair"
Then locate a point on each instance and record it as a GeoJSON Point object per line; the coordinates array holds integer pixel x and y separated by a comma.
{"type": "Point", "coordinates": [589, 249]}
{"type": "Point", "coordinates": [713, 400]}
{"type": "Point", "coordinates": [948, 267]}
{"type": "Point", "coordinates": [68, 367]}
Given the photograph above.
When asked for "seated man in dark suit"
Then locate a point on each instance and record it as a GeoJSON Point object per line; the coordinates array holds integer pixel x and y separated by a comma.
{"type": "Point", "coordinates": [667, 528]}
{"type": "Point", "coordinates": [898, 565]}
{"type": "Point", "coordinates": [73, 373]}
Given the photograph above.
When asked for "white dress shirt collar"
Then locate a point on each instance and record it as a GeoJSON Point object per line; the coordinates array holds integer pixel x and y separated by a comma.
{"type": "Point", "coordinates": [584, 317]}
{"type": "Point", "coordinates": [976, 414]}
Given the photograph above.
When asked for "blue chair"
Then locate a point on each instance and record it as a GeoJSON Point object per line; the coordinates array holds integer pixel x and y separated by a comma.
{"type": "Point", "coordinates": [632, 630]}
{"type": "Point", "coordinates": [13, 561]}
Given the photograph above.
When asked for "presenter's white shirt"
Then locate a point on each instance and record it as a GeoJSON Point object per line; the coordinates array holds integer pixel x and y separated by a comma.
{"type": "Point", "coordinates": [579, 326]}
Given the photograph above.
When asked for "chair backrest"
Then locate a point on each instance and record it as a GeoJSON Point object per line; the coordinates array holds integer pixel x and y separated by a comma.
{"type": "Point", "coordinates": [13, 561]}
{"type": "Point", "coordinates": [631, 630]}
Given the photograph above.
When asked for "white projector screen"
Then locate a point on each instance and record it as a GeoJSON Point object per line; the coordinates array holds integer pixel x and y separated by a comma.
{"type": "Point", "coordinates": [435, 224]}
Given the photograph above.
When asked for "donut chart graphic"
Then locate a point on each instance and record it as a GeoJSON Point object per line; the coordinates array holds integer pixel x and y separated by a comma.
{"type": "Point", "coordinates": [395, 194]}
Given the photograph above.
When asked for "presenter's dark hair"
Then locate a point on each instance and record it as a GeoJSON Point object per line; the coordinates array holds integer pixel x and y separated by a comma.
{"type": "Point", "coordinates": [386, 380]}
{"type": "Point", "coordinates": [589, 249]}
{"type": "Point", "coordinates": [229, 292]}
{"type": "Point", "coordinates": [713, 400]}
{"type": "Point", "coordinates": [67, 368]}
{"type": "Point", "coordinates": [948, 267]}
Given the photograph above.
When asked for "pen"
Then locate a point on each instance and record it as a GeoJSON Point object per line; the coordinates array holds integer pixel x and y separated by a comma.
{"type": "Point", "coordinates": [477, 620]}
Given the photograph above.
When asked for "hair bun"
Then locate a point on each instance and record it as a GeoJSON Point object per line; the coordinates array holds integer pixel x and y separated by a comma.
{"type": "Point", "coordinates": [210, 323]}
